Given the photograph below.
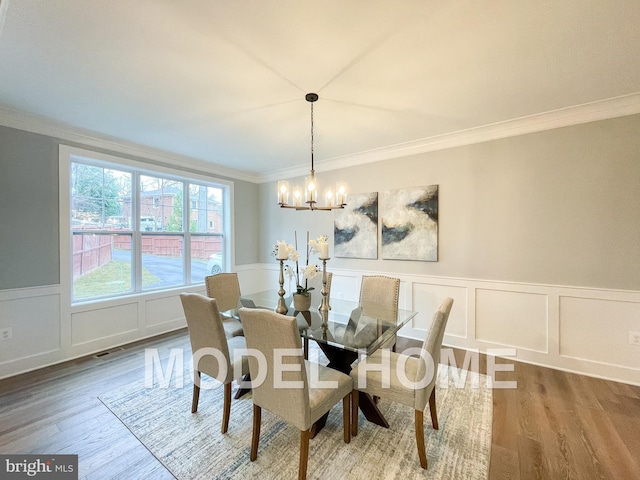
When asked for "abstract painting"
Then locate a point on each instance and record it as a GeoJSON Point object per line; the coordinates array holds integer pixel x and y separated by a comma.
{"type": "Point", "coordinates": [410, 223]}
{"type": "Point", "coordinates": [356, 227]}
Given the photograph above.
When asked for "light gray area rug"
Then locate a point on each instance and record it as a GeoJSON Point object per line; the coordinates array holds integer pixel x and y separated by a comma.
{"type": "Point", "coordinates": [191, 446]}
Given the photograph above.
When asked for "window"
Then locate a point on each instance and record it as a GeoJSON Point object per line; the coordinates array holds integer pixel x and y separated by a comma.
{"type": "Point", "coordinates": [133, 230]}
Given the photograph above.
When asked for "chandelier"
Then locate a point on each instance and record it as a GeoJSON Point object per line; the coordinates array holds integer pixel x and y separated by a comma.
{"type": "Point", "coordinates": [332, 199]}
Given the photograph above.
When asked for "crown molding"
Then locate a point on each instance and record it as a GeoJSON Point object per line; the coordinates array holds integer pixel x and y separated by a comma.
{"type": "Point", "coordinates": [585, 113]}
{"type": "Point", "coordinates": [564, 117]}
{"type": "Point", "coordinates": [10, 117]}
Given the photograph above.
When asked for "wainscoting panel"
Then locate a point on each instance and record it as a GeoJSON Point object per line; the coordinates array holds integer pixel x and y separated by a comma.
{"type": "Point", "coordinates": [598, 330]}
{"type": "Point", "coordinates": [34, 321]}
{"type": "Point", "coordinates": [346, 286]}
{"type": "Point", "coordinates": [163, 310]}
{"type": "Point", "coordinates": [427, 298]}
{"type": "Point", "coordinates": [516, 319]}
{"type": "Point", "coordinates": [100, 323]}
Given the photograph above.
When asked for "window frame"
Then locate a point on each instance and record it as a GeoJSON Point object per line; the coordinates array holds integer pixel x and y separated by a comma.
{"type": "Point", "coordinates": [69, 155]}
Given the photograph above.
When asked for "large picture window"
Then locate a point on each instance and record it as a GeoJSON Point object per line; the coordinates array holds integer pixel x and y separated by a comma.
{"type": "Point", "coordinates": [134, 230]}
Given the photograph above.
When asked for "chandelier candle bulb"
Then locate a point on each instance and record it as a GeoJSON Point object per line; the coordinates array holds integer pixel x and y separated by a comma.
{"type": "Point", "coordinates": [310, 183]}
{"type": "Point", "coordinates": [297, 196]}
{"type": "Point", "coordinates": [283, 192]}
{"type": "Point", "coordinates": [341, 193]}
{"type": "Point", "coordinates": [329, 198]}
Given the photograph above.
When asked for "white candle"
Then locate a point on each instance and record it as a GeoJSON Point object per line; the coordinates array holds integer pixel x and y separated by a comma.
{"type": "Point", "coordinates": [324, 250]}
{"type": "Point", "coordinates": [282, 251]}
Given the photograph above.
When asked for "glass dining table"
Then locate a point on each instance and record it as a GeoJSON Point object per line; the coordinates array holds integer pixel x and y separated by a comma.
{"type": "Point", "coordinates": [346, 333]}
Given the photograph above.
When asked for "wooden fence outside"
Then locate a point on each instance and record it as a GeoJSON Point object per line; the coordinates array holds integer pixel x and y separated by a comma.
{"type": "Point", "coordinates": [93, 251]}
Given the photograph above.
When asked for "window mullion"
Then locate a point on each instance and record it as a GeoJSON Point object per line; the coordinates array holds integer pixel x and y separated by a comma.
{"type": "Point", "coordinates": [186, 228]}
{"type": "Point", "coordinates": [137, 236]}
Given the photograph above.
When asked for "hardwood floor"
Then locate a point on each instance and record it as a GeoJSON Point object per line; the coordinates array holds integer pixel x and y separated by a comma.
{"type": "Point", "coordinates": [555, 425]}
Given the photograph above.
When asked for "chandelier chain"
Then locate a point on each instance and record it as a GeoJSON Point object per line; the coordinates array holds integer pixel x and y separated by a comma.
{"type": "Point", "coordinates": [312, 137]}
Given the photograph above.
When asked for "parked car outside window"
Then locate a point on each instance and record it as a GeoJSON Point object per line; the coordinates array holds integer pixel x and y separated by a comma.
{"type": "Point", "coordinates": [147, 223]}
{"type": "Point", "coordinates": [215, 263]}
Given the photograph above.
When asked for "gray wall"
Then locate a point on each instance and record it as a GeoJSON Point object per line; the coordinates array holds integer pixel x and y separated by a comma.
{"type": "Point", "coordinates": [29, 232]}
{"type": "Point", "coordinates": [246, 222]}
{"type": "Point", "coordinates": [29, 218]}
{"type": "Point", "coordinates": [560, 207]}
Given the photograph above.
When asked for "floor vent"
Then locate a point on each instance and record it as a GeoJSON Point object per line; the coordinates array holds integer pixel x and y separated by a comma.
{"type": "Point", "coordinates": [108, 352]}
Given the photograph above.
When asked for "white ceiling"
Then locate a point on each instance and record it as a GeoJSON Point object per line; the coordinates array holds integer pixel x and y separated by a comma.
{"type": "Point", "coordinates": [224, 81]}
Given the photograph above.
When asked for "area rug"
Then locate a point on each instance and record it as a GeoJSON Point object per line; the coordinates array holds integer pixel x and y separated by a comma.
{"type": "Point", "coordinates": [191, 446]}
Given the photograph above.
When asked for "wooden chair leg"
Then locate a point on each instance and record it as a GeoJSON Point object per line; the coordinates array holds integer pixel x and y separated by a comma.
{"type": "Point", "coordinates": [255, 438]}
{"type": "Point", "coordinates": [420, 439]}
{"type": "Point", "coordinates": [305, 435]}
{"type": "Point", "coordinates": [226, 410]}
{"type": "Point", "coordinates": [432, 409]}
{"type": "Point", "coordinates": [196, 393]}
{"type": "Point", "coordinates": [346, 417]}
{"type": "Point", "coordinates": [355, 395]}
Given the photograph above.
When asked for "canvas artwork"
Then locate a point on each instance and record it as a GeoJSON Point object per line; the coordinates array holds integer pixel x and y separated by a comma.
{"type": "Point", "coordinates": [410, 223]}
{"type": "Point", "coordinates": [356, 227]}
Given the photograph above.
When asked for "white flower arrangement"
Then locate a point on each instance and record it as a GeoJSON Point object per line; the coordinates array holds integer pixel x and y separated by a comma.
{"type": "Point", "coordinates": [284, 251]}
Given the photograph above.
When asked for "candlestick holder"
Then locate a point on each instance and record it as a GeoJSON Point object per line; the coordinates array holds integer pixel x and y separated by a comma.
{"type": "Point", "coordinates": [282, 306]}
{"type": "Point", "coordinates": [324, 306]}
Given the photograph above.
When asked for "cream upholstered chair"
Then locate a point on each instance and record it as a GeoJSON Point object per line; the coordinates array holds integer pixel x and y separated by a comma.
{"type": "Point", "coordinates": [379, 299]}
{"type": "Point", "coordinates": [417, 388]}
{"type": "Point", "coordinates": [304, 399]}
{"type": "Point", "coordinates": [316, 293]}
{"type": "Point", "coordinates": [206, 333]}
{"type": "Point", "coordinates": [225, 288]}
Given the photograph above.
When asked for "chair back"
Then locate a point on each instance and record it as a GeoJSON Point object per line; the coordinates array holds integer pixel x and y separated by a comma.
{"type": "Point", "coordinates": [431, 347]}
{"type": "Point", "coordinates": [225, 288]}
{"type": "Point", "coordinates": [379, 296]}
{"type": "Point", "coordinates": [284, 390]}
{"type": "Point", "coordinates": [206, 331]}
{"type": "Point", "coordinates": [316, 293]}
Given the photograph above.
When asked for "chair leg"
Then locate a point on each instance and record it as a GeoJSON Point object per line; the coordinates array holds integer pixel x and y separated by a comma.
{"type": "Point", "coordinates": [432, 409]}
{"type": "Point", "coordinates": [420, 439]}
{"type": "Point", "coordinates": [355, 395]}
{"type": "Point", "coordinates": [306, 348]}
{"type": "Point", "coordinates": [226, 410]}
{"type": "Point", "coordinates": [196, 393]}
{"type": "Point", "coordinates": [255, 438]}
{"type": "Point", "coordinates": [346, 417]}
{"type": "Point", "coordinates": [305, 435]}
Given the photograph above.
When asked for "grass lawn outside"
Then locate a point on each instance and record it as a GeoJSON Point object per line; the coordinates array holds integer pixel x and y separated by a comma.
{"type": "Point", "coordinates": [110, 278]}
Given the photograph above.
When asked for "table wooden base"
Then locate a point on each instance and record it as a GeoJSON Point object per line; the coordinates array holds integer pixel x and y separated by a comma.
{"type": "Point", "coordinates": [341, 360]}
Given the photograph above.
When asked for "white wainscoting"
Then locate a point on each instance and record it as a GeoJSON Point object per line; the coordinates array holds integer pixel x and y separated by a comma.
{"type": "Point", "coordinates": [569, 328]}
{"type": "Point", "coordinates": [33, 314]}
{"type": "Point", "coordinates": [45, 332]}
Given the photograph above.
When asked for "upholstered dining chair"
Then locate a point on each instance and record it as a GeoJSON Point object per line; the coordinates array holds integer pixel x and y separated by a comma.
{"type": "Point", "coordinates": [225, 288]}
{"type": "Point", "coordinates": [306, 396]}
{"type": "Point", "coordinates": [379, 298]}
{"type": "Point", "coordinates": [213, 352]}
{"type": "Point", "coordinates": [316, 293]}
{"type": "Point", "coordinates": [416, 389]}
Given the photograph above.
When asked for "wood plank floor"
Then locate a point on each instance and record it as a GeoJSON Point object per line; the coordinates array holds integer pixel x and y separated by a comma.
{"type": "Point", "coordinates": [554, 425]}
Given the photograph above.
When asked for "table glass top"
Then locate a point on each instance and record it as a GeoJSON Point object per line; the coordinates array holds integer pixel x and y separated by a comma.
{"type": "Point", "coordinates": [347, 325]}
